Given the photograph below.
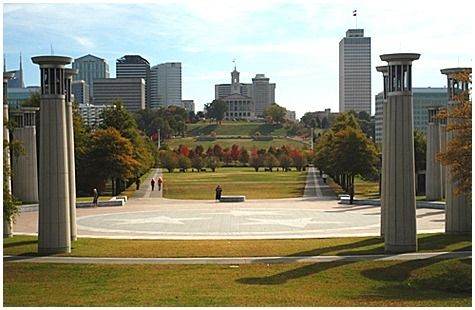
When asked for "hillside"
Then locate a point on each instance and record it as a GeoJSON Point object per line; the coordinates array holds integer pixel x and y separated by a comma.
{"type": "Point", "coordinates": [235, 129]}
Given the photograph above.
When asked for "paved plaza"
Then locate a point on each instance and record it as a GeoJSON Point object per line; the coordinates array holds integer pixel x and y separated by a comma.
{"type": "Point", "coordinates": [318, 214]}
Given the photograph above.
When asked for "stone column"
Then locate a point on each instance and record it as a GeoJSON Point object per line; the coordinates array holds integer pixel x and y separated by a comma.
{"type": "Point", "coordinates": [54, 234]}
{"type": "Point", "coordinates": [69, 73]}
{"type": "Point", "coordinates": [433, 169]}
{"type": "Point", "coordinates": [400, 234]}
{"type": "Point", "coordinates": [384, 148]}
{"type": "Point", "coordinates": [24, 167]}
{"type": "Point", "coordinates": [443, 148]}
{"type": "Point", "coordinates": [7, 222]}
{"type": "Point", "coordinates": [458, 209]}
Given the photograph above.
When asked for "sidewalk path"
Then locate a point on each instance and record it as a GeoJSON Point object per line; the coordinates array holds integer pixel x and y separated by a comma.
{"type": "Point", "coordinates": [238, 260]}
{"type": "Point", "coordinates": [145, 190]}
{"type": "Point", "coordinates": [316, 189]}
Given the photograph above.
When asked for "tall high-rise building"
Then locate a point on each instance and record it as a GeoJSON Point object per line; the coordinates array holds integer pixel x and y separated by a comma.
{"type": "Point", "coordinates": [130, 90]}
{"type": "Point", "coordinates": [17, 80]}
{"type": "Point", "coordinates": [263, 93]}
{"type": "Point", "coordinates": [90, 68]}
{"type": "Point", "coordinates": [80, 91]}
{"type": "Point", "coordinates": [165, 85]}
{"type": "Point", "coordinates": [355, 72]}
{"type": "Point", "coordinates": [135, 66]}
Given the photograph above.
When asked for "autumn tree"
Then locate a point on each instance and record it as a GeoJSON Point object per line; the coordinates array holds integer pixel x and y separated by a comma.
{"type": "Point", "coordinates": [458, 156]}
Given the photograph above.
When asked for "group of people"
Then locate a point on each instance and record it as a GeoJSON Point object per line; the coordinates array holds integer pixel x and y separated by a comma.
{"type": "Point", "coordinates": [159, 182]}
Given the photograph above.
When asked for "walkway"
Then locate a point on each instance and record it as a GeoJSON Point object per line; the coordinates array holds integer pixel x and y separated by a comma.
{"type": "Point", "coordinates": [315, 188]}
{"type": "Point", "coordinates": [238, 260]}
{"type": "Point", "coordinates": [145, 190]}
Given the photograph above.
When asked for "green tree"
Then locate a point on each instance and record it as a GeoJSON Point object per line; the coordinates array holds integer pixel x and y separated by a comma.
{"type": "Point", "coordinates": [275, 113]}
{"type": "Point", "coordinates": [184, 163]}
{"type": "Point", "coordinates": [215, 110]}
{"type": "Point", "coordinates": [420, 148]}
{"type": "Point", "coordinates": [110, 156]}
{"type": "Point", "coordinates": [270, 161]}
{"type": "Point", "coordinates": [168, 160]}
{"type": "Point", "coordinates": [458, 156]}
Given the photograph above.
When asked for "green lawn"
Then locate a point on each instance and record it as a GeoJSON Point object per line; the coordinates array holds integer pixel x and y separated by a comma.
{"type": "Point", "coordinates": [27, 245]}
{"type": "Point", "coordinates": [445, 282]}
{"type": "Point", "coordinates": [234, 181]}
{"type": "Point", "coordinates": [228, 128]}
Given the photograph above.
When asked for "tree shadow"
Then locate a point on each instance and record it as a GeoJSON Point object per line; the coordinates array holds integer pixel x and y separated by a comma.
{"type": "Point", "coordinates": [19, 243]}
{"type": "Point", "coordinates": [283, 277]}
{"type": "Point", "coordinates": [441, 241]}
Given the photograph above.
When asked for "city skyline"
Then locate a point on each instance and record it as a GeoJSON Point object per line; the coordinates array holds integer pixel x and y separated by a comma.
{"type": "Point", "coordinates": [293, 42]}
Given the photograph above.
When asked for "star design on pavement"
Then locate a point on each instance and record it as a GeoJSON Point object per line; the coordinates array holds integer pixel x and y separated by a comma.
{"type": "Point", "coordinates": [158, 220]}
{"type": "Point", "coordinates": [251, 213]}
{"type": "Point", "coordinates": [296, 223]}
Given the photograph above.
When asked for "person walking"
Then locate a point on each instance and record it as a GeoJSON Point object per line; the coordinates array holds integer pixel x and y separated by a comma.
{"type": "Point", "coordinates": [218, 192]}
{"type": "Point", "coordinates": [137, 182]}
{"type": "Point", "coordinates": [95, 195]}
{"type": "Point", "coordinates": [152, 183]}
{"type": "Point", "coordinates": [160, 182]}
{"type": "Point", "coordinates": [351, 191]}
{"type": "Point", "coordinates": [324, 177]}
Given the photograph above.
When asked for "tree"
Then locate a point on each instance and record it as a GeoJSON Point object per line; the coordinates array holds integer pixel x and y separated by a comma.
{"type": "Point", "coordinates": [184, 163]}
{"type": "Point", "coordinates": [169, 160]}
{"type": "Point", "coordinates": [420, 148]}
{"type": "Point", "coordinates": [275, 113]}
{"type": "Point", "coordinates": [285, 161]}
{"type": "Point", "coordinates": [244, 156]}
{"type": "Point", "coordinates": [270, 161]}
{"type": "Point", "coordinates": [110, 156]}
{"type": "Point", "coordinates": [256, 161]}
{"type": "Point", "coordinates": [197, 162]}
{"type": "Point", "coordinates": [216, 110]}
{"type": "Point", "coordinates": [458, 156]}
{"type": "Point", "coordinates": [212, 162]}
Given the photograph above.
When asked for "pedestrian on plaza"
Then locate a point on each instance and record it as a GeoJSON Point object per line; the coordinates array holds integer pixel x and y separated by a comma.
{"type": "Point", "coordinates": [152, 183]}
{"type": "Point", "coordinates": [351, 191]}
{"type": "Point", "coordinates": [160, 182]}
{"type": "Point", "coordinates": [95, 195]}
{"type": "Point", "coordinates": [137, 182]}
{"type": "Point", "coordinates": [324, 177]}
{"type": "Point", "coordinates": [218, 192]}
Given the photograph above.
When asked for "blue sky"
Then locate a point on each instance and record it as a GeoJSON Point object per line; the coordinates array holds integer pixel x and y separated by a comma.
{"type": "Point", "coordinates": [294, 43]}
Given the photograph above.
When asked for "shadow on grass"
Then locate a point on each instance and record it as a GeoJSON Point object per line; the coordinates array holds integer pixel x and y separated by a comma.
{"type": "Point", "coordinates": [297, 273]}
{"type": "Point", "coordinates": [19, 243]}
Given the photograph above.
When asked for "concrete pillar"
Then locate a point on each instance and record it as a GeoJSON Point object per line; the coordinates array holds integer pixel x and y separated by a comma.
{"type": "Point", "coordinates": [24, 167]}
{"type": "Point", "coordinates": [69, 73]}
{"type": "Point", "coordinates": [54, 234]}
{"type": "Point", "coordinates": [400, 233]}
{"type": "Point", "coordinates": [433, 167]}
{"type": "Point", "coordinates": [458, 209]}
{"type": "Point", "coordinates": [7, 222]}
{"type": "Point", "coordinates": [384, 148]}
{"type": "Point", "coordinates": [443, 148]}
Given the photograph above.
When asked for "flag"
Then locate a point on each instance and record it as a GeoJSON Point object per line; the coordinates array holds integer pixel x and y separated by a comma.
{"type": "Point", "coordinates": [354, 13]}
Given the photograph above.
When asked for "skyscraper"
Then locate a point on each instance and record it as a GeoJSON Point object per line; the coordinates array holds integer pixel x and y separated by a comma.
{"type": "Point", "coordinates": [355, 72]}
{"type": "Point", "coordinates": [90, 68]}
{"type": "Point", "coordinates": [165, 85]}
{"type": "Point", "coordinates": [17, 80]}
{"type": "Point", "coordinates": [135, 66]}
{"type": "Point", "coordinates": [263, 93]}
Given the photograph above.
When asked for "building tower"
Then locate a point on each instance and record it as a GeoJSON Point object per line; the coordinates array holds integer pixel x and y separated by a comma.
{"type": "Point", "coordinates": [355, 72]}
{"type": "Point", "coordinates": [7, 222]}
{"type": "Point", "coordinates": [166, 85]}
{"type": "Point", "coordinates": [24, 167]}
{"type": "Point", "coordinates": [400, 234]}
{"type": "Point", "coordinates": [135, 66]}
{"type": "Point", "coordinates": [54, 234]}
{"type": "Point", "coordinates": [68, 76]}
{"type": "Point", "coordinates": [90, 68]}
{"type": "Point", "coordinates": [458, 210]}
{"type": "Point", "coordinates": [235, 85]}
{"type": "Point", "coordinates": [263, 93]}
{"type": "Point", "coordinates": [433, 166]}
{"type": "Point", "coordinates": [384, 148]}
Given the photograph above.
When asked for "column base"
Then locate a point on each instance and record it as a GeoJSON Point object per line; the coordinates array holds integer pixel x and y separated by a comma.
{"type": "Point", "coordinates": [400, 248]}
{"type": "Point", "coordinates": [47, 251]}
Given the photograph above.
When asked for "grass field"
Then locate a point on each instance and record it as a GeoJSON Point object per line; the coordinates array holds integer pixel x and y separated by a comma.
{"type": "Point", "coordinates": [445, 282]}
{"type": "Point", "coordinates": [27, 245]}
{"type": "Point", "coordinates": [228, 128]}
{"type": "Point", "coordinates": [234, 181]}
